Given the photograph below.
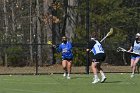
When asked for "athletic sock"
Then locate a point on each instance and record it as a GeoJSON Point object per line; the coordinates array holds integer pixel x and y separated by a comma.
{"type": "Point", "coordinates": [64, 68]}
{"type": "Point", "coordinates": [68, 75]}
{"type": "Point", "coordinates": [95, 77]}
{"type": "Point", "coordinates": [102, 74]}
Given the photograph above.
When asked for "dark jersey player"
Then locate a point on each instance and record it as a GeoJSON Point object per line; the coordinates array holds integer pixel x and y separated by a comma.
{"type": "Point", "coordinates": [98, 56]}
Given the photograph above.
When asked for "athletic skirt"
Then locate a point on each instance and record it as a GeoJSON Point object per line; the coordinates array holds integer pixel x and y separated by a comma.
{"type": "Point", "coordinates": [99, 57]}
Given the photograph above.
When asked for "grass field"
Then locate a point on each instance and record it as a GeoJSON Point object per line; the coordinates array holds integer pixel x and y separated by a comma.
{"type": "Point", "coordinates": [115, 83]}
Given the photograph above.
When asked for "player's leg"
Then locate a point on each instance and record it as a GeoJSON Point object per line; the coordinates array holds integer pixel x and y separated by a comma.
{"type": "Point", "coordinates": [94, 69]}
{"type": "Point", "coordinates": [101, 57]}
{"type": "Point", "coordinates": [135, 63]}
{"type": "Point", "coordinates": [138, 65]}
{"type": "Point", "coordinates": [101, 72]}
{"type": "Point", "coordinates": [132, 66]}
{"type": "Point", "coordinates": [64, 65]}
{"type": "Point", "coordinates": [69, 64]}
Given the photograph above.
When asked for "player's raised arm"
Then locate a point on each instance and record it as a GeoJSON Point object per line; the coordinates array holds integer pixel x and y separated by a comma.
{"type": "Point", "coordinates": [91, 44]}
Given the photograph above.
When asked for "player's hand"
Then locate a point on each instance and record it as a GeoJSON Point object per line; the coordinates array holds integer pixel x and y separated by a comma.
{"type": "Point", "coordinates": [87, 50]}
{"type": "Point", "coordinates": [54, 46]}
{"type": "Point", "coordinates": [128, 50]}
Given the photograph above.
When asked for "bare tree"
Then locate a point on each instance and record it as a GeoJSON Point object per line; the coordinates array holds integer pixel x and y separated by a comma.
{"type": "Point", "coordinates": [38, 29]}
{"type": "Point", "coordinates": [31, 47]}
{"type": "Point", "coordinates": [13, 18]}
{"type": "Point", "coordinates": [48, 27]}
{"type": "Point", "coordinates": [70, 15]}
{"type": "Point", "coordinates": [6, 27]}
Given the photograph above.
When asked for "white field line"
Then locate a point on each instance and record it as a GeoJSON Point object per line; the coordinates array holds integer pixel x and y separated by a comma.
{"type": "Point", "coordinates": [127, 83]}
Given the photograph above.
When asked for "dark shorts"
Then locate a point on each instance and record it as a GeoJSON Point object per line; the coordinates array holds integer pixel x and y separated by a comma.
{"type": "Point", "coordinates": [68, 59]}
{"type": "Point", "coordinates": [99, 57]}
{"type": "Point", "coordinates": [134, 57]}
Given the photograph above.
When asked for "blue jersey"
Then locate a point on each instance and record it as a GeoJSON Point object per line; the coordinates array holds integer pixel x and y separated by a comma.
{"type": "Point", "coordinates": [66, 50]}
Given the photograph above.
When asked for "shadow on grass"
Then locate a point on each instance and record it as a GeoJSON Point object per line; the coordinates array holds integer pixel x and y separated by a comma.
{"type": "Point", "coordinates": [78, 77]}
{"type": "Point", "coordinates": [112, 81]}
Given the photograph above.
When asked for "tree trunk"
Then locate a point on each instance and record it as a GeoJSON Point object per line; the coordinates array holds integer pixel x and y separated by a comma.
{"type": "Point", "coordinates": [13, 20]}
{"type": "Point", "coordinates": [6, 30]}
{"type": "Point", "coordinates": [38, 35]}
{"type": "Point", "coordinates": [48, 29]}
{"type": "Point", "coordinates": [31, 46]}
{"type": "Point", "coordinates": [71, 19]}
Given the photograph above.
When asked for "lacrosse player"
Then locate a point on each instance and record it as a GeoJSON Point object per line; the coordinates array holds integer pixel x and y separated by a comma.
{"type": "Point", "coordinates": [98, 56]}
{"type": "Point", "coordinates": [66, 48]}
{"type": "Point", "coordinates": [136, 49]}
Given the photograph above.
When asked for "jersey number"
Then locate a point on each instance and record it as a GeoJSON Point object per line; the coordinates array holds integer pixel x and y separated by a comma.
{"type": "Point", "coordinates": [100, 48]}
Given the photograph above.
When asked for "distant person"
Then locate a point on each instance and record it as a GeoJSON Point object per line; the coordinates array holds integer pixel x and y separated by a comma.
{"type": "Point", "coordinates": [97, 57]}
{"type": "Point", "coordinates": [135, 47]}
{"type": "Point", "coordinates": [66, 49]}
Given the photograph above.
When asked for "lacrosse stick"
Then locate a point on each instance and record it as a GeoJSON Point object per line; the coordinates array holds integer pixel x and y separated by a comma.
{"type": "Point", "coordinates": [124, 50]}
{"type": "Point", "coordinates": [50, 43]}
{"type": "Point", "coordinates": [121, 49]}
{"type": "Point", "coordinates": [108, 34]}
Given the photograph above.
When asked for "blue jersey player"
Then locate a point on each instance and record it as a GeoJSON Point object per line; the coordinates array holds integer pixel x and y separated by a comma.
{"type": "Point", "coordinates": [98, 55]}
{"type": "Point", "coordinates": [66, 49]}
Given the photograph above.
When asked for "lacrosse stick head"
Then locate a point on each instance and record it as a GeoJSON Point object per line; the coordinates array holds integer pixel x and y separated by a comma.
{"type": "Point", "coordinates": [110, 32]}
{"type": "Point", "coordinates": [49, 42]}
{"type": "Point", "coordinates": [120, 49]}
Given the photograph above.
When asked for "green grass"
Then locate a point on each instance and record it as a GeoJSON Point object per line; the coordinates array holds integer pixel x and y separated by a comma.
{"type": "Point", "coordinates": [115, 83]}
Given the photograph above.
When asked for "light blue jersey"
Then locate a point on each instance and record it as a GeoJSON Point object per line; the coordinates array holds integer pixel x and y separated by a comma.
{"type": "Point", "coordinates": [97, 48]}
{"type": "Point", "coordinates": [136, 47]}
{"type": "Point", "coordinates": [66, 50]}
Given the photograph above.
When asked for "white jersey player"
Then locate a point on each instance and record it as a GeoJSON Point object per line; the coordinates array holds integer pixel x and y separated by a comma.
{"type": "Point", "coordinates": [136, 49]}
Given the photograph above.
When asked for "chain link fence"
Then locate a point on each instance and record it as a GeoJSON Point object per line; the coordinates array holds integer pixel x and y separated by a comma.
{"type": "Point", "coordinates": [27, 25]}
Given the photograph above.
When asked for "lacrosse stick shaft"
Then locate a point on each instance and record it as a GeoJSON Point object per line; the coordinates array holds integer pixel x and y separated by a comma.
{"type": "Point", "coordinates": [103, 38]}
{"type": "Point", "coordinates": [124, 59]}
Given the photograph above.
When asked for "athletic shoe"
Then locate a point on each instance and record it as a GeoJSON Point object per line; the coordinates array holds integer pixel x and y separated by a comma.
{"type": "Point", "coordinates": [103, 79]}
{"type": "Point", "coordinates": [68, 77]}
{"type": "Point", "coordinates": [64, 75]}
{"type": "Point", "coordinates": [95, 81]}
{"type": "Point", "coordinates": [132, 75]}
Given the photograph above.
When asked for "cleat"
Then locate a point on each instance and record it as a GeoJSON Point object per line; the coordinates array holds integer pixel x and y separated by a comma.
{"type": "Point", "coordinates": [64, 75]}
{"type": "Point", "coordinates": [132, 75]}
{"type": "Point", "coordinates": [68, 77]}
{"type": "Point", "coordinates": [95, 81]}
{"type": "Point", "coordinates": [103, 79]}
